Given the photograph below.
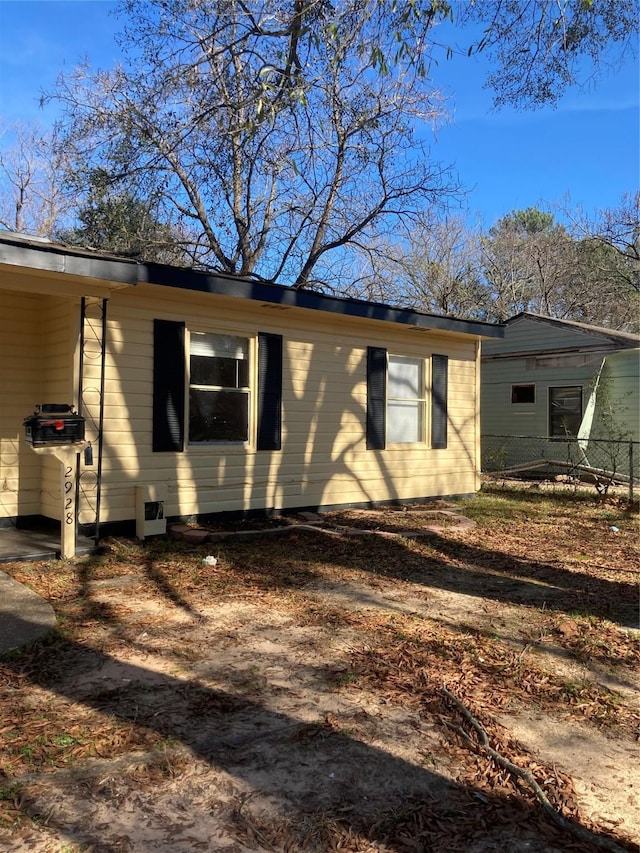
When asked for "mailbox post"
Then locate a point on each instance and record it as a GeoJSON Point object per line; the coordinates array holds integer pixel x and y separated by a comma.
{"type": "Point", "coordinates": [66, 456]}
{"type": "Point", "coordinates": [55, 430]}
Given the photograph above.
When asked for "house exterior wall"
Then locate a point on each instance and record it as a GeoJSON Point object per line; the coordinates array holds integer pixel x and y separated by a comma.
{"type": "Point", "coordinates": [529, 335]}
{"type": "Point", "coordinates": [499, 416]}
{"type": "Point", "coordinates": [323, 460]}
{"type": "Point", "coordinates": [58, 337]}
{"type": "Point", "coordinates": [618, 397]}
{"type": "Point", "coordinates": [546, 355]}
{"type": "Point", "coordinates": [36, 366]}
{"type": "Point", "coordinates": [20, 383]}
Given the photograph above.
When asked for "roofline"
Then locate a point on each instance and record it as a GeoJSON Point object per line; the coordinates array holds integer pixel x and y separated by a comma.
{"type": "Point", "coordinates": [41, 254]}
{"type": "Point", "coordinates": [38, 253]}
{"type": "Point", "coordinates": [276, 294]}
{"type": "Point", "coordinates": [600, 331]}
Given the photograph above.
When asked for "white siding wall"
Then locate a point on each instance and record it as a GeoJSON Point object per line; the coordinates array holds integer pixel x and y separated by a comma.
{"type": "Point", "coordinates": [324, 459]}
{"type": "Point", "coordinates": [502, 417]}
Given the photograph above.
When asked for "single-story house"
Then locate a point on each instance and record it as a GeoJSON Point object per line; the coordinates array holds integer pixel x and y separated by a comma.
{"type": "Point", "coordinates": [558, 380]}
{"type": "Point", "coordinates": [205, 394]}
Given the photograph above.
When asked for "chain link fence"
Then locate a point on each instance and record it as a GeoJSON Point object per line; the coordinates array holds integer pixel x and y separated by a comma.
{"type": "Point", "coordinates": [603, 462]}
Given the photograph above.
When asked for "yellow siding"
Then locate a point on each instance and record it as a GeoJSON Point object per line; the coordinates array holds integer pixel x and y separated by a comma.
{"type": "Point", "coordinates": [57, 344]}
{"type": "Point", "coordinates": [324, 459]}
{"type": "Point", "coordinates": [20, 382]}
{"type": "Point", "coordinates": [36, 366]}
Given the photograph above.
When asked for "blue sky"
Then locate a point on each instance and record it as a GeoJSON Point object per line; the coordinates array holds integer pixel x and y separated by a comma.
{"type": "Point", "coordinates": [587, 148]}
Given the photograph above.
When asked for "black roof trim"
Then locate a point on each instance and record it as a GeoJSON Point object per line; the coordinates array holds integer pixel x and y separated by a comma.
{"type": "Point", "coordinates": [25, 251]}
{"type": "Point", "coordinates": [42, 254]}
{"type": "Point", "coordinates": [221, 285]}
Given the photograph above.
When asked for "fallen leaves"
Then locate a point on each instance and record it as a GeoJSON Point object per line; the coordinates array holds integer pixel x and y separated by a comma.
{"type": "Point", "coordinates": [526, 564]}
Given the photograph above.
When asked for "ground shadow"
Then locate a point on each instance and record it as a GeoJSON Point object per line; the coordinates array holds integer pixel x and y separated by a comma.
{"type": "Point", "coordinates": [436, 561]}
{"type": "Point", "coordinates": [303, 768]}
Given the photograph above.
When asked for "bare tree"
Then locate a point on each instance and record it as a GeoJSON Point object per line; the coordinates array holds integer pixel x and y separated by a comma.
{"type": "Point", "coordinates": [274, 151]}
{"type": "Point", "coordinates": [604, 286]}
{"type": "Point", "coordinates": [283, 135]}
{"type": "Point", "coordinates": [525, 262]}
{"type": "Point", "coordinates": [435, 269]}
{"type": "Point", "coordinates": [531, 263]}
{"type": "Point", "coordinates": [33, 199]}
{"type": "Point", "coordinates": [526, 258]}
{"type": "Point", "coordinates": [617, 228]}
{"type": "Point", "coordinates": [539, 48]}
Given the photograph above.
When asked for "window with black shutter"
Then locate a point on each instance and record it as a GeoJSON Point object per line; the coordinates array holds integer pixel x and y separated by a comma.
{"type": "Point", "coordinates": [269, 432]}
{"type": "Point", "coordinates": [216, 368]}
{"type": "Point", "coordinates": [219, 392]}
{"type": "Point", "coordinates": [168, 385]}
{"type": "Point", "coordinates": [439, 400]}
{"type": "Point", "coordinates": [376, 398]}
{"type": "Point", "coordinates": [406, 403]}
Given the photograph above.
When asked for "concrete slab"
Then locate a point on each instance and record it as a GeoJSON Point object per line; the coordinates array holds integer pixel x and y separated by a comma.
{"type": "Point", "coordinates": [35, 545]}
{"type": "Point", "coordinates": [24, 615]}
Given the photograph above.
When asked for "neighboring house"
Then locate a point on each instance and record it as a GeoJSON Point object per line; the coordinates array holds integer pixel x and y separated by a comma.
{"type": "Point", "coordinates": [207, 394]}
{"type": "Point", "coordinates": [558, 379]}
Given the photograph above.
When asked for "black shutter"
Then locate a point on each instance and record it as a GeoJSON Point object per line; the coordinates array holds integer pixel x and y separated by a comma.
{"type": "Point", "coordinates": [376, 398]}
{"type": "Point", "coordinates": [168, 385]}
{"type": "Point", "coordinates": [439, 417]}
{"type": "Point", "coordinates": [269, 392]}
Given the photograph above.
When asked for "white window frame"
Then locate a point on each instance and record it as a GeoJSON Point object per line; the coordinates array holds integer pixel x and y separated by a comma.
{"type": "Point", "coordinates": [416, 403]}
{"type": "Point", "coordinates": [248, 390]}
{"type": "Point", "coordinates": [581, 414]}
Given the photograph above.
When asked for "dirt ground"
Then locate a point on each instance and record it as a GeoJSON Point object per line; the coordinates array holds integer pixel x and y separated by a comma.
{"type": "Point", "coordinates": [296, 696]}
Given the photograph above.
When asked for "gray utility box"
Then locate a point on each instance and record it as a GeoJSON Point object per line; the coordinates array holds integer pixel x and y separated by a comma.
{"type": "Point", "coordinates": [53, 424]}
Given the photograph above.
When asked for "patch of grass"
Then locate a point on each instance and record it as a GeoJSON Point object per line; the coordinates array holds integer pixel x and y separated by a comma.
{"type": "Point", "coordinates": [9, 791]}
{"type": "Point", "coordinates": [338, 678]}
{"type": "Point", "coordinates": [487, 508]}
{"type": "Point", "coordinates": [12, 816]}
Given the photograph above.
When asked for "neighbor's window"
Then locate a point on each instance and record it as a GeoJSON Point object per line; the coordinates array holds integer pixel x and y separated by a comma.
{"type": "Point", "coordinates": [565, 410]}
{"type": "Point", "coordinates": [218, 388]}
{"type": "Point", "coordinates": [405, 400]}
{"type": "Point", "coordinates": [523, 393]}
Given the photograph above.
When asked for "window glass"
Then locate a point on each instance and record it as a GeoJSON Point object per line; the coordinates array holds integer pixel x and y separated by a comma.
{"type": "Point", "coordinates": [218, 415]}
{"type": "Point", "coordinates": [565, 410]}
{"type": "Point", "coordinates": [405, 400]}
{"type": "Point", "coordinates": [523, 393]}
{"type": "Point", "coordinates": [404, 378]}
{"type": "Point", "coordinates": [404, 422]}
{"type": "Point", "coordinates": [224, 372]}
{"type": "Point", "coordinates": [218, 388]}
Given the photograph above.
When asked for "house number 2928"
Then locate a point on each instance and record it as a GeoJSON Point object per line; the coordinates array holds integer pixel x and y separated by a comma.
{"type": "Point", "coordinates": [68, 490]}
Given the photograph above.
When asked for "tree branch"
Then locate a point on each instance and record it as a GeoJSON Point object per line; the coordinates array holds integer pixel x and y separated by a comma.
{"type": "Point", "coordinates": [580, 832]}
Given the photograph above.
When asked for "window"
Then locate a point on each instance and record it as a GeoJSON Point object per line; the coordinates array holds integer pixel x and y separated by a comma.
{"type": "Point", "coordinates": [523, 393]}
{"type": "Point", "coordinates": [565, 410]}
{"type": "Point", "coordinates": [439, 401]}
{"type": "Point", "coordinates": [218, 388]}
{"type": "Point", "coordinates": [405, 400]}
{"type": "Point", "coordinates": [221, 383]}
{"type": "Point", "coordinates": [396, 399]}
